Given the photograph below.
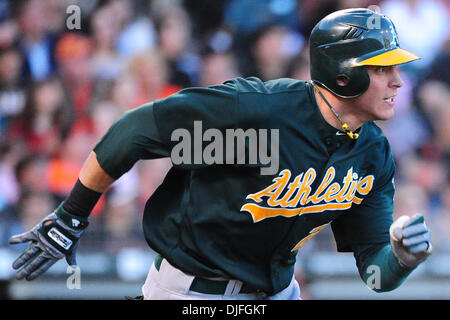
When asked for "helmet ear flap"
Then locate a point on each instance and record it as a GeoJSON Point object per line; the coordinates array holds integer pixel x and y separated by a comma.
{"type": "Point", "coordinates": [358, 82]}
{"type": "Point", "coordinates": [332, 66]}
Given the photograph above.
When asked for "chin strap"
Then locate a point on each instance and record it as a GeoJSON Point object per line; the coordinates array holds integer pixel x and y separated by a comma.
{"type": "Point", "coordinates": [351, 134]}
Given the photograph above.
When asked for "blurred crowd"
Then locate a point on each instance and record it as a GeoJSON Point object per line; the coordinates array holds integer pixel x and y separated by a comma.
{"type": "Point", "coordinates": [69, 69]}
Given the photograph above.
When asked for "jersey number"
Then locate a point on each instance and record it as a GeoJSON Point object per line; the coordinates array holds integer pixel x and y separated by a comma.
{"type": "Point", "coordinates": [311, 234]}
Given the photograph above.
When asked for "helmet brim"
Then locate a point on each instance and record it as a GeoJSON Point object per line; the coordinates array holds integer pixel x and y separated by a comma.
{"type": "Point", "coordinates": [388, 58]}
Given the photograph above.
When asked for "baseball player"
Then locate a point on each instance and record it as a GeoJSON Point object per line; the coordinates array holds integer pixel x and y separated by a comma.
{"type": "Point", "coordinates": [224, 230]}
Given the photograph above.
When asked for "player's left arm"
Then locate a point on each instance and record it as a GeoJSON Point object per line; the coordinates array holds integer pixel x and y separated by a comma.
{"type": "Point", "coordinates": [384, 267]}
{"type": "Point", "coordinates": [390, 250]}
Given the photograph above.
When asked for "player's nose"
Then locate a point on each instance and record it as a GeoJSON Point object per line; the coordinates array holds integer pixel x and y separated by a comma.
{"type": "Point", "coordinates": [396, 80]}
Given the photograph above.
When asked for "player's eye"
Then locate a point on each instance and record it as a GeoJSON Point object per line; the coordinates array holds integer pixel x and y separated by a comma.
{"type": "Point", "coordinates": [384, 69]}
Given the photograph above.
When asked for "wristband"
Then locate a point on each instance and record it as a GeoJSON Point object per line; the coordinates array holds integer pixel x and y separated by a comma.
{"type": "Point", "coordinates": [73, 221]}
{"type": "Point", "coordinates": [81, 200]}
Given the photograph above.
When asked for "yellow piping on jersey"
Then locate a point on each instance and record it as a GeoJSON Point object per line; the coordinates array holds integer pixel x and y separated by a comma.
{"type": "Point", "coordinates": [260, 213]}
{"type": "Point", "coordinates": [284, 198]}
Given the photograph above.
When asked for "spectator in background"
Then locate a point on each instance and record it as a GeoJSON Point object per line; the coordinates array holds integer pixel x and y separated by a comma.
{"type": "Point", "coordinates": [150, 70]}
{"type": "Point", "coordinates": [45, 120]}
{"type": "Point", "coordinates": [64, 166]}
{"type": "Point", "coordinates": [137, 33]}
{"type": "Point", "coordinates": [103, 115]}
{"type": "Point", "coordinates": [439, 69]}
{"type": "Point", "coordinates": [429, 175]}
{"type": "Point", "coordinates": [173, 27]}
{"type": "Point", "coordinates": [272, 49]}
{"type": "Point", "coordinates": [443, 132]}
{"type": "Point", "coordinates": [434, 99]}
{"type": "Point", "coordinates": [106, 63]}
{"type": "Point", "coordinates": [9, 32]}
{"type": "Point", "coordinates": [299, 66]}
{"type": "Point", "coordinates": [433, 94]}
{"type": "Point", "coordinates": [9, 192]}
{"type": "Point", "coordinates": [442, 224]}
{"type": "Point", "coordinates": [55, 21]}
{"type": "Point", "coordinates": [411, 198]}
{"type": "Point", "coordinates": [4, 10]}
{"type": "Point", "coordinates": [31, 173]}
{"type": "Point", "coordinates": [36, 42]}
{"type": "Point", "coordinates": [217, 68]}
{"type": "Point", "coordinates": [12, 91]}
{"type": "Point", "coordinates": [73, 53]}
{"type": "Point", "coordinates": [123, 92]}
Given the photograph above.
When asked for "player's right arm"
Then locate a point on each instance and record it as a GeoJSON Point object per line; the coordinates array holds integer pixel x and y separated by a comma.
{"type": "Point", "coordinates": [131, 138]}
{"type": "Point", "coordinates": [141, 133]}
{"type": "Point", "coordinates": [93, 176]}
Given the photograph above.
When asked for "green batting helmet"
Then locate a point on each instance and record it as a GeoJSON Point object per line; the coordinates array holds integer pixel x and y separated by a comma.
{"type": "Point", "coordinates": [345, 41]}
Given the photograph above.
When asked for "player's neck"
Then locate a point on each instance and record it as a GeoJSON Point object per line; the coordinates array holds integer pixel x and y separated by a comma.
{"type": "Point", "coordinates": [342, 106]}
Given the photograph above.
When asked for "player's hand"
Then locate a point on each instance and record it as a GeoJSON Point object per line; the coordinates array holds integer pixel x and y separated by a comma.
{"type": "Point", "coordinates": [410, 240]}
{"type": "Point", "coordinates": [55, 237]}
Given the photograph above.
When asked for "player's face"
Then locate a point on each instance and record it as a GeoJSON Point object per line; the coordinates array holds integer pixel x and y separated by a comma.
{"type": "Point", "coordinates": [377, 103]}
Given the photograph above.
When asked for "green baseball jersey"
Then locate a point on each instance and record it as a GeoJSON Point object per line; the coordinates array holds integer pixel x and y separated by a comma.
{"type": "Point", "coordinates": [223, 217]}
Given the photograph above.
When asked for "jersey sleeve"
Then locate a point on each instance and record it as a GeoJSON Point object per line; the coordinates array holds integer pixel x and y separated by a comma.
{"type": "Point", "coordinates": [369, 222]}
{"type": "Point", "coordinates": [194, 118]}
{"type": "Point", "coordinates": [214, 107]}
{"type": "Point", "coordinates": [133, 137]}
{"type": "Point", "coordinates": [147, 132]}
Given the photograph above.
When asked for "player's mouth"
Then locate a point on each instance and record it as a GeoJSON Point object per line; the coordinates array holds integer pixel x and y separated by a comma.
{"type": "Point", "coordinates": [390, 101]}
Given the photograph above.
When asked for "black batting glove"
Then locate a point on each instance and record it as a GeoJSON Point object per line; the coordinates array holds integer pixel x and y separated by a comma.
{"type": "Point", "coordinates": [55, 237]}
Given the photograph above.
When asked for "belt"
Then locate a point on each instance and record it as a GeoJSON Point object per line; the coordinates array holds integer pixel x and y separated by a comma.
{"type": "Point", "coordinates": [208, 286]}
